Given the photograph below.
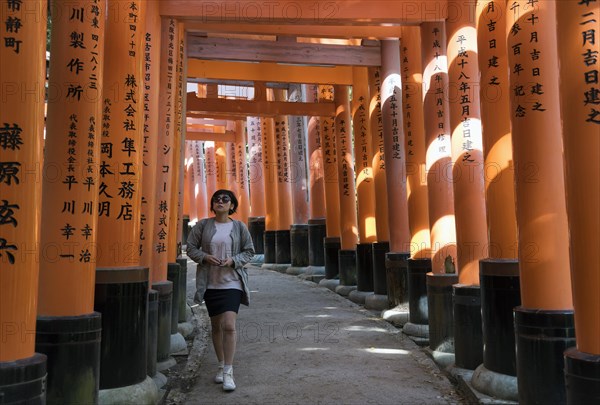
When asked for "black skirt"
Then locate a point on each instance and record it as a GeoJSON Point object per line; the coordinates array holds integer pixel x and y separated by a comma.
{"type": "Point", "coordinates": [218, 301]}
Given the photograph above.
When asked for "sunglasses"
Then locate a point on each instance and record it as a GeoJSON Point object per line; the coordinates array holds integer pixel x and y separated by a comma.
{"type": "Point", "coordinates": [221, 198]}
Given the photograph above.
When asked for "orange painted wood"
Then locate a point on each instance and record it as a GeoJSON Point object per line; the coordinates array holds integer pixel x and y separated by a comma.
{"type": "Point", "coordinates": [316, 172]}
{"type": "Point", "coordinates": [282, 148]}
{"type": "Point", "coordinates": [543, 232]}
{"type": "Point", "coordinates": [211, 172]}
{"type": "Point", "coordinates": [298, 163]}
{"type": "Point", "coordinates": [199, 180]}
{"type": "Point", "coordinates": [346, 183]}
{"type": "Point", "coordinates": [221, 165]}
{"type": "Point", "coordinates": [189, 200]}
{"type": "Point", "coordinates": [376, 130]}
{"type": "Point", "coordinates": [581, 130]}
{"type": "Point", "coordinates": [437, 142]}
{"type": "Point", "coordinates": [414, 129]}
{"type": "Point", "coordinates": [73, 138]}
{"type": "Point", "coordinates": [269, 154]}
{"type": "Point", "coordinates": [393, 145]}
{"type": "Point", "coordinates": [151, 71]}
{"type": "Point", "coordinates": [22, 71]}
{"type": "Point", "coordinates": [255, 167]}
{"type": "Point", "coordinates": [363, 155]}
{"type": "Point", "coordinates": [497, 137]}
{"type": "Point", "coordinates": [165, 150]}
{"type": "Point", "coordinates": [467, 143]}
{"type": "Point", "coordinates": [242, 170]}
{"type": "Point", "coordinates": [120, 186]}
{"type": "Point", "coordinates": [231, 173]}
{"type": "Point", "coordinates": [332, 198]}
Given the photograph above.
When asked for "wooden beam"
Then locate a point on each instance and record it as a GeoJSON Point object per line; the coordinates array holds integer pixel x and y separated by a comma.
{"type": "Point", "coordinates": [269, 72]}
{"type": "Point", "coordinates": [208, 122]}
{"type": "Point", "coordinates": [191, 135]}
{"type": "Point", "coordinates": [297, 30]}
{"type": "Point", "coordinates": [258, 108]}
{"type": "Point", "coordinates": [314, 12]}
{"type": "Point", "coordinates": [218, 116]}
{"type": "Point", "coordinates": [281, 52]}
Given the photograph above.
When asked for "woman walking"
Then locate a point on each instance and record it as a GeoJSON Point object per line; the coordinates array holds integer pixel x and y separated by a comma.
{"type": "Point", "coordinates": [222, 246]}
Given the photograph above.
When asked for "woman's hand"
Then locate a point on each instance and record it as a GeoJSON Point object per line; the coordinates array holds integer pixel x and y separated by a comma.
{"type": "Point", "coordinates": [210, 259]}
{"type": "Point", "coordinates": [227, 262]}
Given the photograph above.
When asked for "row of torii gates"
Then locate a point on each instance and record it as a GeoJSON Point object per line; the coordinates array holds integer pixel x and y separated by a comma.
{"type": "Point", "coordinates": [435, 152]}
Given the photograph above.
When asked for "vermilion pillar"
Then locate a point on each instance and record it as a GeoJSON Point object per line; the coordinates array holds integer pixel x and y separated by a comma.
{"type": "Point", "coordinates": [211, 171]}
{"type": "Point", "coordinates": [316, 190]}
{"type": "Point", "coordinates": [501, 267]}
{"type": "Point", "coordinates": [256, 221]}
{"type": "Point", "coordinates": [22, 75]}
{"type": "Point", "coordinates": [416, 173]}
{"type": "Point", "coordinates": [393, 145]}
{"type": "Point", "coordinates": [123, 355]}
{"type": "Point", "coordinates": [166, 149]}
{"type": "Point", "coordinates": [151, 71]}
{"type": "Point", "coordinates": [332, 198]}
{"type": "Point", "coordinates": [467, 148]}
{"type": "Point", "coordinates": [270, 185]}
{"type": "Point", "coordinates": [221, 165]}
{"type": "Point", "coordinates": [241, 165]}
{"type": "Point", "coordinates": [363, 153]}
{"type": "Point", "coordinates": [189, 200]}
{"type": "Point", "coordinates": [200, 180]}
{"type": "Point", "coordinates": [579, 47]}
{"type": "Point", "coordinates": [69, 212]}
{"type": "Point", "coordinates": [543, 234]}
{"type": "Point", "coordinates": [376, 130]}
{"type": "Point", "coordinates": [437, 141]}
{"type": "Point", "coordinates": [365, 183]}
{"type": "Point", "coordinates": [347, 192]}
{"type": "Point", "coordinates": [255, 169]}
{"type": "Point", "coordinates": [298, 166]}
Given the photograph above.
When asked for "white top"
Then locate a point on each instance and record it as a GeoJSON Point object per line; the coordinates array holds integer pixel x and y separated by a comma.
{"type": "Point", "coordinates": [220, 277]}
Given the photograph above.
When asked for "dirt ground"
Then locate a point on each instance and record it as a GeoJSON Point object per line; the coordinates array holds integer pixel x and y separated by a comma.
{"type": "Point", "coordinates": [299, 343]}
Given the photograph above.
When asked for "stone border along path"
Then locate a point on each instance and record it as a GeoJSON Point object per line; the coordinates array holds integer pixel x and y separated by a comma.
{"type": "Point", "coordinates": [299, 343]}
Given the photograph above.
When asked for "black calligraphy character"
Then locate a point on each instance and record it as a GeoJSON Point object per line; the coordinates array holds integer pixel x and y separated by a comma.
{"type": "Point", "coordinates": [128, 146]}
{"type": "Point", "coordinates": [12, 42]}
{"type": "Point", "coordinates": [126, 212]}
{"type": "Point", "coordinates": [4, 246]}
{"type": "Point", "coordinates": [70, 180]}
{"type": "Point", "coordinates": [591, 77]}
{"type": "Point", "coordinates": [74, 91]}
{"type": "Point", "coordinates": [592, 96]}
{"type": "Point", "coordinates": [67, 231]}
{"type": "Point", "coordinates": [75, 64]}
{"type": "Point", "coordinates": [126, 190]}
{"type": "Point", "coordinates": [590, 57]}
{"type": "Point", "coordinates": [85, 256]}
{"type": "Point", "coordinates": [8, 172]}
{"type": "Point", "coordinates": [594, 116]}
{"type": "Point", "coordinates": [7, 212]}
{"type": "Point", "coordinates": [13, 24]}
{"type": "Point", "coordinates": [86, 231]}
{"type": "Point", "coordinates": [589, 36]}
{"type": "Point", "coordinates": [104, 208]}
{"type": "Point", "coordinates": [14, 5]}
{"type": "Point", "coordinates": [102, 190]}
{"type": "Point", "coordinates": [77, 40]}
{"type": "Point", "coordinates": [77, 14]}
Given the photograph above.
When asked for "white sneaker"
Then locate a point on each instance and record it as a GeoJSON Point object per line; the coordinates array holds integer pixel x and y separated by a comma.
{"type": "Point", "coordinates": [219, 376]}
{"type": "Point", "coordinates": [228, 383]}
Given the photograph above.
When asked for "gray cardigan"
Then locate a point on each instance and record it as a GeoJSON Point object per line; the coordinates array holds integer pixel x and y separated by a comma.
{"type": "Point", "coordinates": [198, 246]}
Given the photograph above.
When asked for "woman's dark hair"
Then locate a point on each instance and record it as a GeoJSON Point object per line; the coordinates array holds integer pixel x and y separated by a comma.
{"type": "Point", "coordinates": [234, 201]}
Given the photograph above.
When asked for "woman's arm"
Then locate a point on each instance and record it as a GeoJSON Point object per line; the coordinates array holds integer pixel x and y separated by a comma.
{"type": "Point", "coordinates": [194, 242]}
{"type": "Point", "coordinates": [246, 247]}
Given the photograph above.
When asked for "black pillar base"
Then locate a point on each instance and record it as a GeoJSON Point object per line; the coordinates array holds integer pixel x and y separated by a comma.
{"type": "Point", "coordinates": [256, 227]}
{"type": "Point", "coordinates": [396, 274]}
{"type": "Point", "coordinates": [542, 336]}
{"type": "Point", "coordinates": [347, 263]}
{"type": "Point", "coordinates": [417, 290]}
{"type": "Point", "coordinates": [468, 338]}
{"type": "Point", "coordinates": [173, 272]}
{"type": "Point", "coordinates": [165, 300]}
{"type": "Point", "coordinates": [269, 247]}
{"type": "Point", "coordinates": [439, 304]}
{"type": "Point", "coordinates": [23, 381]}
{"type": "Point", "coordinates": [283, 254]}
{"type": "Point", "coordinates": [500, 294]}
{"type": "Point", "coordinates": [364, 267]}
{"type": "Point", "coordinates": [379, 272]}
{"type": "Point", "coordinates": [316, 234]}
{"type": "Point", "coordinates": [152, 332]}
{"type": "Point", "coordinates": [182, 294]}
{"type": "Point", "coordinates": [72, 346]}
{"type": "Point", "coordinates": [299, 245]}
{"type": "Point", "coordinates": [582, 377]}
{"type": "Point", "coordinates": [331, 247]}
{"type": "Point", "coordinates": [121, 296]}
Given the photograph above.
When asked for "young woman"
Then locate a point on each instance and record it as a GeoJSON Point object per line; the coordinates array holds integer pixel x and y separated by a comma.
{"type": "Point", "coordinates": [222, 246]}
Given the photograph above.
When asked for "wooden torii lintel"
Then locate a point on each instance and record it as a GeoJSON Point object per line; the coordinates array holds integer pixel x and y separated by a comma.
{"type": "Point", "coordinates": [191, 135]}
